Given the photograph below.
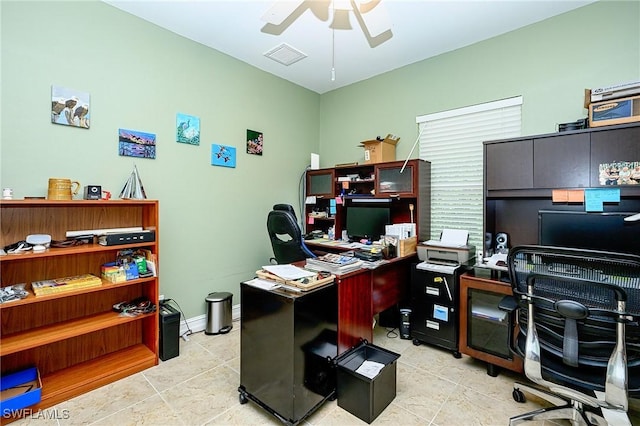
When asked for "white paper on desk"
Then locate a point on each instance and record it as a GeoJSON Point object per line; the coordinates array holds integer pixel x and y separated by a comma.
{"type": "Point", "coordinates": [311, 199]}
{"type": "Point", "coordinates": [263, 284]}
{"type": "Point", "coordinates": [452, 238]}
{"type": "Point", "coordinates": [288, 272]}
{"type": "Point", "coordinates": [370, 369]}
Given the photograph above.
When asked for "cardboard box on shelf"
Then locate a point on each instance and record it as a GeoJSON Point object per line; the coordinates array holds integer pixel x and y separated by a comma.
{"type": "Point", "coordinates": [616, 111]}
{"type": "Point", "coordinates": [380, 151]}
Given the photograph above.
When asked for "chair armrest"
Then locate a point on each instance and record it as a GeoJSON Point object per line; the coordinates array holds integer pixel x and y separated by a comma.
{"type": "Point", "coordinates": [508, 304]}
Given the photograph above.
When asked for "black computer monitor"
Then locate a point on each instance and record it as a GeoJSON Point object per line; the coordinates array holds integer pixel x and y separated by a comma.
{"type": "Point", "coordinates": [606, 231]}
{"type": "Point", "coordinates": [367, 222]}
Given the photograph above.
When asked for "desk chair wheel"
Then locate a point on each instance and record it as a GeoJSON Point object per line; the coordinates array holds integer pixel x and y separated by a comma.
{"type": "Point", "coordinates": [518, 396]}
{"type": "Point", "coordinates": [457, 355]}
{"type": "Point", "coordinates": [242, 397]}
{"type": "Point", "coordinates": [416, 342]}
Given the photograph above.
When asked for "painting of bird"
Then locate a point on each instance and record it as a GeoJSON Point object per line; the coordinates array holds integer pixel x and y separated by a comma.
{"type": "Point", "coordinates": [69, 107]}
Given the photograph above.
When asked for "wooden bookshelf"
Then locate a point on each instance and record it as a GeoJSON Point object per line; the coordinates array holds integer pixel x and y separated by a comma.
{"type": "Point", "coordinates": [75, 339]}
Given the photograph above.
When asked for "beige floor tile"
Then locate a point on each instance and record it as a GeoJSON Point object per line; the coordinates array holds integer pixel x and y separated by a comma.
{"type": "Point", "coordinates": [200, 387]}
{"type": "Point", "coordinates": [106, 400]}
{"type": "Point", "coordinates": [151, 411]}
{"type": "Point", "coordinates": [205, 396]}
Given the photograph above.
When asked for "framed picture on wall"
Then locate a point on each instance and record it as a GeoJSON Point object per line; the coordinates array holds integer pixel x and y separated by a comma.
{"type": "Point", "coordinates": [187, 129]}
{"type": "Point", "coordinates": [223, 155]}
{"type": "Point", "coordinates": [133, 143]}
{"type": "Point", "coordinates": [70, 107]}
{"type": "Point", "coordinates": [255, 142]}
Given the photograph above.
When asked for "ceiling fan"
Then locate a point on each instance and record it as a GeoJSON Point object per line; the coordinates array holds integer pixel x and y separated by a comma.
{"type": "Point", "coordinates": [371, 16]}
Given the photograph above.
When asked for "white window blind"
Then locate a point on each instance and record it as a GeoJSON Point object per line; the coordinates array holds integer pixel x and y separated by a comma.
{"type": "Point", "coordinates": [452, 142]}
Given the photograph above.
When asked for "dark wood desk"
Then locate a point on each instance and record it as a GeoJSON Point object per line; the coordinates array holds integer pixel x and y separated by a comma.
{"type": "Point", "coordinates": [365, 293]}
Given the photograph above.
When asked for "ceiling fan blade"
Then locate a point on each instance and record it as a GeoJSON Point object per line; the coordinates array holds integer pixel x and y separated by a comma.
{"type": "Point", "coordinates": [280, 11]}
{"type": "Point", "coordinates": [374, 16]}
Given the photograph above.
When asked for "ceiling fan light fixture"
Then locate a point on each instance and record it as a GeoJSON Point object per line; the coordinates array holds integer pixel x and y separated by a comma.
{"type": "Point", "coordinates": [285, 54]}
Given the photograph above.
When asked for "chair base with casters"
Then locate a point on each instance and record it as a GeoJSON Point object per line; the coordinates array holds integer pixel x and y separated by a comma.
{"type": "Point", "coordinates": [578, 332]}
{"type": "Point", "coordinates": [565, 409]}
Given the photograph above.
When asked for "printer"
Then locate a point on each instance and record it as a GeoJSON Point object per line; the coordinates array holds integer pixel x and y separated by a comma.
{"type": "Point", "coordinates": [452, 249]}
{"type": "Point", "coordinates": [440, 254]}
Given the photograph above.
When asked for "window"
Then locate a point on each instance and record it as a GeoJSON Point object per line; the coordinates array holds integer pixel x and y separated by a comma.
{"type": "Point", "coordinates": [452, 142]}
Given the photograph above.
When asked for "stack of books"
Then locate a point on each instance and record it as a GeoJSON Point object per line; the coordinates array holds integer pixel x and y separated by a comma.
{"type": "Point", "coordinates": [334, 263]}
{"type": "Point", "coordinates": [59, 285]}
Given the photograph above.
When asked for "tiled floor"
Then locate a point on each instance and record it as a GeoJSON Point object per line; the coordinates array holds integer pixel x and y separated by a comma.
{"type": "Point", "coordinates": [199, 387]}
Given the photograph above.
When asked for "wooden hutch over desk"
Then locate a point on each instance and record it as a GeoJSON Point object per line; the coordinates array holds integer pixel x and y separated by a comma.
{"type": "Point", "coordinates": [406, 191]}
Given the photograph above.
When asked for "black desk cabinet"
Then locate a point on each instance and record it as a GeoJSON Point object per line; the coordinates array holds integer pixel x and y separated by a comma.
{"type": "Point", "coordinates": [434, 308]}
{"type": "Point", "coordinates": [288, 341]}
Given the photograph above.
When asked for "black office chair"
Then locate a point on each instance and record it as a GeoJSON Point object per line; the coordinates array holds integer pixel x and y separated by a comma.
{"type": "Point", "coordinates": [577, 332]}
{"type": "Point", "coordinates": [286, 236]}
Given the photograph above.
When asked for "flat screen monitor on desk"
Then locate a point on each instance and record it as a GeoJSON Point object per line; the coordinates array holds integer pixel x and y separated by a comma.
{"type": "Point", "coordinates": [367, 222]}
{"type": "Point", "coordinates": [589, 230]}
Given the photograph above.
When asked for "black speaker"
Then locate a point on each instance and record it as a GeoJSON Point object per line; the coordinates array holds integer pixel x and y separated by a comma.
{"type": "Point", "coordinates": [488, 244]}
{"type": "Point", "coordinates": [92, 192]}
{"type": "Point", "coordinates": [502, 243]}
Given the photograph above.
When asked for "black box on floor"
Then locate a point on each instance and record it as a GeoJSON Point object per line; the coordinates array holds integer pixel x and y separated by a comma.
{"type": "Point", "coordinates": [169, 332]}
{"type": "Point", "coordinates": [390, 318]}
{"type": "Point", "coordinates": [360, 395]}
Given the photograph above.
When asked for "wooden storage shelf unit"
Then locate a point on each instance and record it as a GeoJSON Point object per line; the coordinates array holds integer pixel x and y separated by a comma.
{"type": "Point", "coordinates": [372, 182]}
{"type": "Point", "coordinates": [74, 338]}
{"type": "Point", "coordinates": [496, 354]}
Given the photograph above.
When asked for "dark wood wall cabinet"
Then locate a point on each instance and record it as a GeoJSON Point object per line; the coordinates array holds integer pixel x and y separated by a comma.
{"type": "Point", "coordinates": [407, 191]}
{"type": "Point", "coordinates": [521, 174]}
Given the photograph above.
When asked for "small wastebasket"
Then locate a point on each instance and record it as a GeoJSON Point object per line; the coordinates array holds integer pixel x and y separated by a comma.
{"type": "Point", "coordinates": [218, 313]}
{"type": "Point", "coordinates": [360, 395]}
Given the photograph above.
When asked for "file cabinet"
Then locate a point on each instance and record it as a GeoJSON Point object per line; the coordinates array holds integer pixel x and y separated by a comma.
{"type": "Point", "coordinates": [434, 305]}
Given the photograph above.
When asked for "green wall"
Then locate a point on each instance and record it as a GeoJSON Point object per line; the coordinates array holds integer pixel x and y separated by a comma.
{"type": "Point", "coordinates": [549, 63]}
{"type": "Point", "coordinates": [213, 219]}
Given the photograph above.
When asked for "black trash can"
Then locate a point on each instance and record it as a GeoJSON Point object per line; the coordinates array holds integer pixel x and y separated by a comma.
{"type": "Point", "coordinates": [360, 395]}
{"type": "Point", "coordinates": [218, 313]}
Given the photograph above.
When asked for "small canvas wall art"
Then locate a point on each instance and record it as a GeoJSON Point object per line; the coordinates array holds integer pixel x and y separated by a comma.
{"type": "Point", "coordinates": [187, 129]}
{"type": "Point", "coordinates": [223, 155]}
{"type": "Point", "coordinates": [255, 141]}
{"type": "Point", "coordinates": [133, 143]}
{"type": "Point", "coordinates": [70, 107]}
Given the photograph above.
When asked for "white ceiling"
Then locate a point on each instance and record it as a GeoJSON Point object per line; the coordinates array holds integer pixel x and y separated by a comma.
{"type": "Point", "coordinates": [419, 29]}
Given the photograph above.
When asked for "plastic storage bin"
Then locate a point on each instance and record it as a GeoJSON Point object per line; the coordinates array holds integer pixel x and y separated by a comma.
{"type": "Point", "coordinates": [362, 396]}
{"type": "Point", "coordinates": [19, 390]}
{"type": "Point", "coordinates": [218, 313]}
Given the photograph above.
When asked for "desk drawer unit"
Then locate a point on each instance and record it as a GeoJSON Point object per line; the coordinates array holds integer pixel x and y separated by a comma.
{"type": "Point", "coordinates": [434, 308]}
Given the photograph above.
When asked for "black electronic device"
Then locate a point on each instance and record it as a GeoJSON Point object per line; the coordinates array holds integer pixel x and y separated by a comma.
{"type": "Point", "coordinates": [367, 222]}
{"type": "Point", "coordinates": [169, 332]}
{"type": "Point", "coordinates": [488, 244]}
{"type": "Point", "coordinates": [117, 238]}
{"type": "Point", "coordinates": [502, 242]}
{"type": "Point", "coordinates": [405, 323]}
{"type": "Point", "coordinates": [367, 255]}
{"type": "Point", "coordinates": [606, 231]}
{"type": "Point", "coordinates": [92, 192]}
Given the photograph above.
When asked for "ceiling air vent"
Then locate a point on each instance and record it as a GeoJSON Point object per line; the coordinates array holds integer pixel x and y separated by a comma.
{"type": "Point", "coordinates": [285, 54]}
